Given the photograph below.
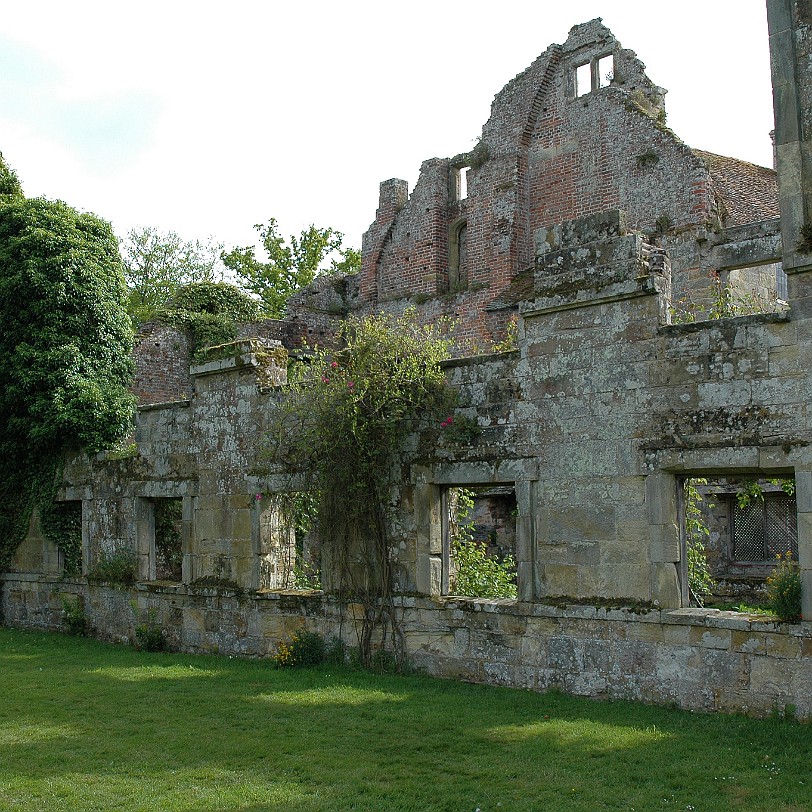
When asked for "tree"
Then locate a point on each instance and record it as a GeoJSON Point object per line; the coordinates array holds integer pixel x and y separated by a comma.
{"type": "Point", "coordinates": [65, 346]}
{"type": "Point", "coordinates": [156, 264]}
{"type": "Point", "coordinates": [289, 267]}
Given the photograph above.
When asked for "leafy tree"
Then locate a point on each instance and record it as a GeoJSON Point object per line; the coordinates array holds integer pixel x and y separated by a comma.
{"type": "Point", "coordinates": [64, 348]}
{"type": "Point", "coordinates": [156, 264]}
{"type": "Point", "coordinates": [289, 267]}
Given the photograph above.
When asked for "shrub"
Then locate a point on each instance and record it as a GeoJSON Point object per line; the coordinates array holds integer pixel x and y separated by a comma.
{"type": "Point", "coordinates": [116, 567]}
{"type": "Point", "coordinates": [74, 618]}
{"type": "Point", "coordinates": [149, 635]}
{"type": "Point", "coordinates": [305, 649]}
{"type": "Point", "coordinates": [784, 589]}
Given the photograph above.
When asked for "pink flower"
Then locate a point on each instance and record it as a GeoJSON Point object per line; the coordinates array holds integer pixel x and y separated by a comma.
{"type": "Point", "coordinates": [334, 364]}
{"type": "Point", "coordinates": [350, 384]}
{"type": "Point", "coordinates": [325, 379]}
{"type": "Point", "coordinates": [259, 496]}
{"type": "Point", "coordinates": [449, 420]}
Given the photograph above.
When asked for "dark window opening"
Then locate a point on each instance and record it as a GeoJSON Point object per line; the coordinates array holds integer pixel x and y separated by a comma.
{"type": "Point", "coordinates": [168, 539]}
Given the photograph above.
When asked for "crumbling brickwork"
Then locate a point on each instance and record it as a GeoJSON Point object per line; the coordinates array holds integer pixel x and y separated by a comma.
{"type": "Point", "coordinates": [552, 152]}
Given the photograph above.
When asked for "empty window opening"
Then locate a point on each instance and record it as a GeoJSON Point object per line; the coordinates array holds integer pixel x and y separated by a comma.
{"type": "Point", "coordinates": [290, 549]}
{"type": "Point", "coordinates": [168, 539]}
{"type": "Point", "coordinates": [734, 530]}
{"type": "Point", "coordinates": [606, 70]}
{"type": "Point", "coordinates": [479, 541]}
{"type": "Point", "coordinates": [463, 183]}
{"type": "Point", "coordinates": [583, 79]}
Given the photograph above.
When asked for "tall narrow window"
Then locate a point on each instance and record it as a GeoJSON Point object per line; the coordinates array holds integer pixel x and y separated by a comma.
{"type": "Point", "coordinates": [583, 79]}
{"type": "Point", "coordinates": [458, 256]}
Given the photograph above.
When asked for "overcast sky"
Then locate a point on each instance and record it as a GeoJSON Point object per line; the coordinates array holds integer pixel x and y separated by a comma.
{"type": "Point", "coordinates": [207, 118]}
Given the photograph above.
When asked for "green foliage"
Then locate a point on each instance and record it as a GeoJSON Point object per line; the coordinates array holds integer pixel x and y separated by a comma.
{"type": "Point", "coordinates": [74, 618]}
{"type": "Point", "coordinates": [305, 576]}
{"type": "Point", "coordinates": [700, 582]}
{"type": "Point", "coordinates": [752, 491]}
{"type": "Point", "coordinates": [65, 346]}
{"type": "Point", "coordinates": [114, 567]}
{"type": "Point", "coordinates": [149, 634]}
{"type": "Point", "coordinates": [210, 311]}
{"type": "Point", "coordinates": [304, 650]}
{"type": "Point", "coordinates": [476, 574]}
{"type": "Point", "coordinates": [61, 523]}
{"type": "Point", "coordinates": [289, 267]}
{"type": "Point", "coordinates": [510, 341]}
{"type": "Point", "coordinates": [784, 589]}
{"type": "Point", "coordinates": [157, 264]}
{"type": "Point", "coordinates": [339, 428]}
{"type": "Point", "coordinates": [9, 182]}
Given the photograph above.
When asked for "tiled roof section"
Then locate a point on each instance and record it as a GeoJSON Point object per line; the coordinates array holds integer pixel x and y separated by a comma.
{"type": "Point", "coordinates": [749, 192]}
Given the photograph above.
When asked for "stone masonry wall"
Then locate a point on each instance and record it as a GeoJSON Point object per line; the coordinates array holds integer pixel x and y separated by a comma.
{"type": "Point", "coordinates": [695, 659]}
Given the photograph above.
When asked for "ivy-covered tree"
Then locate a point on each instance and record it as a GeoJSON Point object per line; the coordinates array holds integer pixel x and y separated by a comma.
{"type": "Point", "coordinates": [289, 267]}
{"type": "Point", "coordinates": [65, 347]}
{"type": "Point", "coordinates": [156, 264]}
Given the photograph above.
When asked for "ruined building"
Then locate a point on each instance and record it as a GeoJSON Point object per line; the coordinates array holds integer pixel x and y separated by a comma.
{"type": "Point", "coordinates": [582, 217]}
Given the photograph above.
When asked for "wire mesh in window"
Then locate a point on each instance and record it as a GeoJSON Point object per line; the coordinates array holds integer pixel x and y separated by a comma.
{"type": "Point", "coordinates": [748, 532]}
{"type": "Point", "coordinates": [782, 526]}
{"type": "Point", "coordinates": [765, 529]}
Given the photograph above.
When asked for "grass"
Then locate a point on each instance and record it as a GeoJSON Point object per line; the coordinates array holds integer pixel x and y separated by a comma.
{"type": "Point", "coordinates": [90, 726]}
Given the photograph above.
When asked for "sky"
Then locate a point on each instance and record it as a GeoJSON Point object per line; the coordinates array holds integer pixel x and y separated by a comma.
{"type": "Point", "coordinates": [206, 118]}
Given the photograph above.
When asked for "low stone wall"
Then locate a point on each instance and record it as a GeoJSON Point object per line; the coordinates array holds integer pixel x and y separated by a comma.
{"type": "Point", "coordinates": [697, 659]}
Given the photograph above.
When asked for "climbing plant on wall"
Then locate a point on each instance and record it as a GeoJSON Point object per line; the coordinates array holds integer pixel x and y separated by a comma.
{"type": "Point", "coordinates": [65, 347]}
{"type": "Point", "coordinates": [209, 311]}
{"type": "Point", "coordinates": [341, 426]}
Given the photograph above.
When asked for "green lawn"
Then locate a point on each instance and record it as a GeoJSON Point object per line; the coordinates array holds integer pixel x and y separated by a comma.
{"type": "Point", "coordinates": [85, 725]}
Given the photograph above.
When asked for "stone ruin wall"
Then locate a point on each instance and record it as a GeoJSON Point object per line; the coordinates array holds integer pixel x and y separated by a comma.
{"type": "Point", "coordinates": [594, 419]}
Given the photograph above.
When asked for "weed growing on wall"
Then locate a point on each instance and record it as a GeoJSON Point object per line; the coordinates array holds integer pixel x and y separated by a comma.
{"type": "Point", "coordinates": [304, 649]}
{"type": "Point", "coordinates": [341, 426]}
{"type": "Point", "coordinates": [114, 567]}
{"type": "Point", "coordinates": [784, 589]}
{"type": "Point", "coordinates": [210, 312]}
{"type": "Point", "coordinates": [74, 618]}
{"type": "Point", "coordinates": [149, 634]}
{"type": "Point", "coordinates": [724, 302]}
